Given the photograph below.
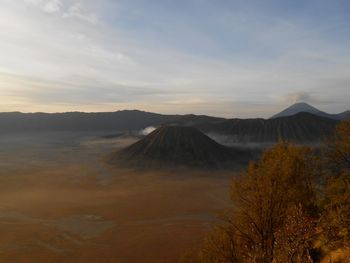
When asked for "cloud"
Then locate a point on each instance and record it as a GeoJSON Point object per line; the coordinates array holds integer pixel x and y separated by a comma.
{"type": "Point", "coordinates": [53, 6]}
{"type": "Point", "coordinates": [77, 11]}
{"type": "Point", "coordinates": [204, 57]}
{"type": "Point", "coordinates": [49, 6]}
{"type": "Point", "coordinates": [74, 90]}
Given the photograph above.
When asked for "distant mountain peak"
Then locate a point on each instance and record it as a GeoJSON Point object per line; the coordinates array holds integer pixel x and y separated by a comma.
{"type": "Point", "coordinates": [300, 107]}
{"type": "Point", "coordinates": [302, 104]}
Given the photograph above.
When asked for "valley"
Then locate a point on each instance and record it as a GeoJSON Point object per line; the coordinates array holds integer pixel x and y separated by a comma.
{"type": "Point", "coordinates": [60, 202]}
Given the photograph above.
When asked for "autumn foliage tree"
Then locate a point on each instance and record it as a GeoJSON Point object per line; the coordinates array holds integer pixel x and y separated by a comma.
{"type": "Point", "coordinates": [295, 238]}
{"type": "Point", "coordinates": [283, 209]}
{"type": "Point", "coordinates": [338, 149]}
{"type": "Point", "coordinates": [335, 220]}
{"type": "Point", "coordinates": [262, 196]}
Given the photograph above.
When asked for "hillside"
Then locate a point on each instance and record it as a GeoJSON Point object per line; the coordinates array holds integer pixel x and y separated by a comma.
{"type": "Point", "coordinates": [124, 120]}
{"type": "Point", "coordinates": [178, 146]}
{"type": "Point", "coordinates": [301, 128]}
{"type": "Point", "coordinates": [77, 121]}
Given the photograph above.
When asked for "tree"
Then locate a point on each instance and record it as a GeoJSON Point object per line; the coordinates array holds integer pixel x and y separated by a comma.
{"type": "Point", "coordinates": [261, 196]}
{"type": "Point", "coordinates": [275, 217]}
{"type": "Point", "coordinates": [335, 220]}
{"type": "Point", "coordinates": [338, 150]}
{"type": "Point", "coordinates": [295, 238]}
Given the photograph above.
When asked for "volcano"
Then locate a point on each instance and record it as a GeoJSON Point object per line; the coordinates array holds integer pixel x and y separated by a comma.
{"type": "Point", "coordinates": [178, 146]}
{"type": "Point", "coordinates": [304, 107]}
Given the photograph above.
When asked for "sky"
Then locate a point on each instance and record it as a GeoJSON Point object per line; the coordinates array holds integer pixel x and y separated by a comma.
{"type": "Point", "coordinates": [230, 58]}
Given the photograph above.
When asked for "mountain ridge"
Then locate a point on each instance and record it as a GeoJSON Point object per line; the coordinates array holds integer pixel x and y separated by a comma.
{"type": "Point", "coordinates": [302, 127]}
{"type": "Point", "coordinates": [93, 121]}
{"type": "Point", "coordinates": [305, 107]}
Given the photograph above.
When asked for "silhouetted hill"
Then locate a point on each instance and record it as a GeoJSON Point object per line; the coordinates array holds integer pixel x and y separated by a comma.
{"type": "Point", "coordinates": [304, 107]}
{"type": "Point", "coordinates": [342, 116]}
{"type": "Point", "coordinates": [178, 146]}
{"type": "Point", "coordinates": [79, 121]}
{"type": "Point", "coordinates": [302, 127]}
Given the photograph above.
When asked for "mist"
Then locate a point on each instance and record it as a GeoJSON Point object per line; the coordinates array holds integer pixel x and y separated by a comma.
{"type": "Point", "coordinates": [234, 141]}
{"type": "Point", "coordinates": [60, 197]}
{"type": "Point", "coordinates": [147, 130]}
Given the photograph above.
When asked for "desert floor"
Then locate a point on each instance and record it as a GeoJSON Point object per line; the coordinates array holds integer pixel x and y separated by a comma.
{"type": "Point", "coordinates": [60, 202]}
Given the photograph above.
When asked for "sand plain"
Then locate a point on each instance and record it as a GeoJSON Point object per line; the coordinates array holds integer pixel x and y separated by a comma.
{"type": "Point", "coordinates": [60, 202]}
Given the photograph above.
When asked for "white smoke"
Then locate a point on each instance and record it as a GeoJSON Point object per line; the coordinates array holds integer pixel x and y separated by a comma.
{"type": "Point", "coordinates": [299, 97]}
{"type": "Point", "coordinates": [147, 130]}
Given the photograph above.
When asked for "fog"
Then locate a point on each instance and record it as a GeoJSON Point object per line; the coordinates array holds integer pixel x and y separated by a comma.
{"type": "Point", "coordinates": [61, 202]}
{"type": "Point", "coordinates": [147, 130]}
{"type": "Point", "coordinates": [233, 141]}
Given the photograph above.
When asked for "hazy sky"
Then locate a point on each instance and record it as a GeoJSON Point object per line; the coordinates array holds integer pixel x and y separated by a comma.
{"type": "Point", "coordinates": [233, 58]}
